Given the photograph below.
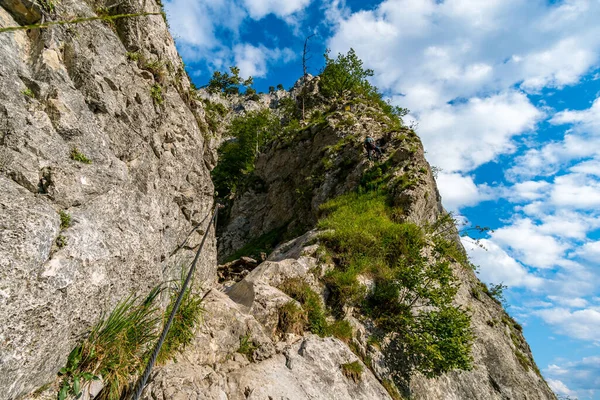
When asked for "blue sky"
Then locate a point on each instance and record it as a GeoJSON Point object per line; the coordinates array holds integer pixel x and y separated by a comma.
{"type": "Point", "coordinates": [506, 94]}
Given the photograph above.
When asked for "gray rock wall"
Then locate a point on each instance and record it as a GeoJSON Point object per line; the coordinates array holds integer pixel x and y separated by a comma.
{"type": "Point", "coordinates": [147, 184]}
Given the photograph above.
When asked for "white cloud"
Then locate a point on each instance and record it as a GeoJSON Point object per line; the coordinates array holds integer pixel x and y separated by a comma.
{"type": "Point", "coordinates": [573, 302]}
{"type": "Point", "coordinates": [559, 388]}
{"type": "Point", "coordinates": [590, 251]}
{"type": "Point", "coordinates": [576, 191]}
{"type": "Point", "coordinates": [580, 324]}
{"type": "Point", "coordinates": [496, 266]}
{"type": "Point", "coordinates": [587, 121]}
{"type": "Point", "coordinates": [581, 376]}
{"type": "Point", "coordinates": [529, 245]}
{"type": "Point", "coordinates": [460, 191]}
{"type": "Point", "coordinates": [260, 8]}
{"type": "Point", "coordinates": [252, 60]}
{"type": "Point", "coordinates": [463, 136]}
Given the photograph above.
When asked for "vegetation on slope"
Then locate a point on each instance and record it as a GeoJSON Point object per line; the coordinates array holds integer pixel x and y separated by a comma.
{"type": "Point", "coordinates": [119, 345]}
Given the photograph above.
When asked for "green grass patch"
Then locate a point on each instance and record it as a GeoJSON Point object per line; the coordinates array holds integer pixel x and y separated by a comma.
{"type": "Point", "coordinates": [365, 239]}
{"type": "Point", "coordinates": [341, 330]}
{"type": "Point", "coordinates": [65, 220]}
{"type": "Point", "coordinates": [300, 291]}
{"type": "Point", "coordinates": [157, 94]}
{"type": "Point", "coordinates": [353, 371]}
{"type": "Point", "coordinates": [77, 155]}
{"type": "Point", "coordinates": [119, 345]}
{"type": "Point", "coordinates": [292, 319]}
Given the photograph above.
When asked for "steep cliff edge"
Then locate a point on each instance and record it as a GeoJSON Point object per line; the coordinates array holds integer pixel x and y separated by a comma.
{"type": "Point", "coordinates": [95, 125]}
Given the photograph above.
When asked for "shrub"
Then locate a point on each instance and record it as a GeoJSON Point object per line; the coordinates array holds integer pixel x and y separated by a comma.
{"type": "Point", "coordinates": [271, 89]}
{"type": "Point", "coordinates": [280, 87]}
{"type": "Point", "coordinates": [133, 56]}
{"type": "Point", "coordinates": [226, 83]}
{"type": "Point", "coordinates": [344, 75]}
{"type": "Point", "coordinates": [412, 294]}
{"type": "Point", "coordinates": [77, 155]}
{"type": "Point", "coordinates": [353, 370]}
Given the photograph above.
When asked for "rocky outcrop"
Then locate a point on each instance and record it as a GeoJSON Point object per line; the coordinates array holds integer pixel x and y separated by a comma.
{"type": "Point", "coordinates": [96, 125]}
{"type": "Point", "coordinates": [327, 159]}
{"type": "Point", "coordinates": [289, 367]}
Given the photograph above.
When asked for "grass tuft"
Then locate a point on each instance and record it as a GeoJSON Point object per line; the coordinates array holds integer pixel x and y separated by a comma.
{"type": "Point", "coordinates": [77, 155]}
{"type": "Point", "coordinates": [65, 220]}
{"type": "Point", "coordinates": [29, 93]}
{"type": "Point", "coordinates": [300, 291]}
{"type": "Point", "coordinates": [157, 94]}
{"type": "Point", "coordinates": [353, 371]}
{"type": "Point", "coordinates": [292, 319]}
{"type": "Point", "coordinates": [247, 347]}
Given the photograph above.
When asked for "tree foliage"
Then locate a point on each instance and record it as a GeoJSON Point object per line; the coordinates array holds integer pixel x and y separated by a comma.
{"type": "Point", "coordinates": [228, 83]}
{"type": "Point", "coordinates": [345, 74]}
{"type": "Point", "coordinates": [237, 156]}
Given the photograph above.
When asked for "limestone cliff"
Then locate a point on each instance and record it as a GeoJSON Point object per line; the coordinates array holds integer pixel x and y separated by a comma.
{"type": "Point", "coordinates": [85, 92]}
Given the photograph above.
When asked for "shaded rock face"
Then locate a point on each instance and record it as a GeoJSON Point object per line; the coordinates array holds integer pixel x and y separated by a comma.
{"type": "Point", "coordinates": [148, 183]}
{"type": "Point", "coordinates": [294, 177]}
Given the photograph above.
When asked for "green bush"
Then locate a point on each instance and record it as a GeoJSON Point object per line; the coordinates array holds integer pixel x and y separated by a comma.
{"type": "Point", "coordinates": [412, 294]}
{"type": "Point", "coordinates": [292, 319]}
{"type": "Point", "coordinates": [156, 94]}
{"type": "Point", "coordinates": [65, 220]}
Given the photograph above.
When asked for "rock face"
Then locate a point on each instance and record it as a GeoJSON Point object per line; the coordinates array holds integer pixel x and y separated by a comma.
{"type": "Point", "coordinates": [86, 91]}
{"type": "Point", "coordinates": [293, 367]}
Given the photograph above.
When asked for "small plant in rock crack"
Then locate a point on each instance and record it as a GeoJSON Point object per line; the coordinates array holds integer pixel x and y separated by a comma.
{"type": "Point", "coordinates": [61, 241]}
{"type": "Point", "coordinates": [247, 347]}
{"type": "Point", "coordinates": [352, 371]}
{"type": "Point", "coordinates": [29, 93]}
{"type": "Point", "coordinates": [73, 379]}
{"type": "Point", "coordinates": [156, 94]}
{"type": "Point", "coordinates": [65, 220]}
{"type": "Point", "coordinates": [77, 155]}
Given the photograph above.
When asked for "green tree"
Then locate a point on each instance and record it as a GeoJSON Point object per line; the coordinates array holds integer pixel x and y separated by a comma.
{"type": "Point", "coordinates": [345, 74]}
{"type": "Point", "coordinates": [228, 83]}
{"type": "Point", "coordinates": [237, 156]}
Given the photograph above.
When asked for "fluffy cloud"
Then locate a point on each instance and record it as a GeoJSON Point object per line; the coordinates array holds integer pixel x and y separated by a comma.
{"type": "Point", "coordinates": [252, 60]}
{"type": "Point", "coordinates": [580, 324]}
{"type": "Point", "coordinates": [559, 387]}
{"type": "Point", "coordinates": [590, 251]}
{"type": "Point", "coordinates": [582, 376]}
{"type": "Point", "coordinates": [460, 191]}
{"type": "Point", "coordinates": [463, 136]}
{"type": "Point", "coordinates": [531, 246]}
{"type": "Point", "coordinates": [260, 8]}
{"type": "Point", "coordinates": [496, 266]}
